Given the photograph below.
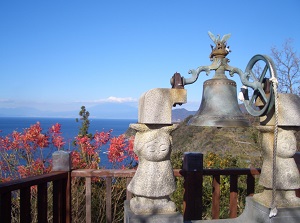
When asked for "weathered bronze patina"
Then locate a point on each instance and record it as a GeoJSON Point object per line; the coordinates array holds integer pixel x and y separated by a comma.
{"type": "Point", "coordinates": [219, 106]}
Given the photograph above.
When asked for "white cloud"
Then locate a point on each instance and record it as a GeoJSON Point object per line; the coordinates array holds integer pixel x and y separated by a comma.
{"type": "Point", "coordinates": [120, 100]}
{"type": "Point", "coordinates": [111, 99]}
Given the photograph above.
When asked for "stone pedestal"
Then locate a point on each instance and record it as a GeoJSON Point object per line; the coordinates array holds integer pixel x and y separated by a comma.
{"type": "Point", "coordinates": [256, 213]}
{"type": "Point", "coordinates": [130, 217]}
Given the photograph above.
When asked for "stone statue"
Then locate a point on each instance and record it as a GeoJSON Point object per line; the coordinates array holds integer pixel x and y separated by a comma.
{"type": "Point", "coordinates": [287, 174]}
{"type": "Point", "coordinates": [154, 180]}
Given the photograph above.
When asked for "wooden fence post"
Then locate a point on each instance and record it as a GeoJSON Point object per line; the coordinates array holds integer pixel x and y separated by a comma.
{"type": "Point", "coordinates": [193, 179]}
{"type": "Point", "coordinates": [216, 194]}
{"type": "Point", "coordinates": [5, 207]}
{"type": "Point", "coordinates": [233, 196]}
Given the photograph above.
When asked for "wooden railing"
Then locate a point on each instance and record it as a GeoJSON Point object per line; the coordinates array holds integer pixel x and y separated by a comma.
{"type": "Point", "coordinates": [61, 197]}
{"type": "Point", "coordinates": [233, 197]}
{"type": "Point", "coordinates": [108, 175]}
{"type": "Point", "coordinates": [62, 192]}
{"type": "Point", "coordinates": [192, 202]}
{"type": "Point", "coordinates": [193, 186]}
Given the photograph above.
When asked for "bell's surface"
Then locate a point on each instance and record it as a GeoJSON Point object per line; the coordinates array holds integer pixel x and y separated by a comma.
{"type": "Point", "coordinates": [219, 106]}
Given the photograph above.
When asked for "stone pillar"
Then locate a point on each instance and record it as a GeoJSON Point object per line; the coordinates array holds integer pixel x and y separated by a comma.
{"type": "Point", "coordinates": [61, 161]}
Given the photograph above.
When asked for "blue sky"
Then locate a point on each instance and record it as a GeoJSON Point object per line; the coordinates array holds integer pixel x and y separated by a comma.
{"type": "Point", "coordinates": [59, 55]}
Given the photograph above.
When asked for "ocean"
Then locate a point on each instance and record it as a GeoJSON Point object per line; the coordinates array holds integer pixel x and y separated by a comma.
{"type": "Point", "coordinates": [69, 128]}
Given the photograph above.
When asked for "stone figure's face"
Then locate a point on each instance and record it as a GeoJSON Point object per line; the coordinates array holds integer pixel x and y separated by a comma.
{"type": "Point", "coordinates": [286, 144]}
{"type": "Point", "coordinates": [153, 147]}
{"type": "Point", "coordinates": [157, 149]}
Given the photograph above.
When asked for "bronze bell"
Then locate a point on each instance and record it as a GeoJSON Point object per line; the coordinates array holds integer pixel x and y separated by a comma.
{"type": "Point", "coordinates": [219, 106]}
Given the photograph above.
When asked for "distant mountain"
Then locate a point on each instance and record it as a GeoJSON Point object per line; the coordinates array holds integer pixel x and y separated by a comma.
{"type": "Point", "coordinates": [105, 111]}
{"type": "Point", "coordinates": [180, 114]}
{"type": "Point", "coordinates": [114, 110]}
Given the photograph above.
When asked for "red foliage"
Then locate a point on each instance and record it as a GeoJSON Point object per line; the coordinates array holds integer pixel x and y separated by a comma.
{"type": "Point", "coordinates": [116, 151]}
{"type": "Point", "coordinates": [86, 155]}
{"type": "Point", "coordinates": [101, 138]}
{"type": "Point", "coordinates": [37, 167]}
{"type": "Point", "coordinates": [121, 148]}
{"type": "Point", "coordinates": [33, 138]}
{"type": "Point", "coordinates": [57, 139]}
{"type": "Point", "coordinates": [130, 149]}
{"type": "Point", "coordinates": [23, 154]}
{"type": "Point", "coordinates": [5, 143]}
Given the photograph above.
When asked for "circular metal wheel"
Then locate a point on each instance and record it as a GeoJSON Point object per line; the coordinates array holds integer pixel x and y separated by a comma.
{"type": "Point", "coordinates": [261, 100]}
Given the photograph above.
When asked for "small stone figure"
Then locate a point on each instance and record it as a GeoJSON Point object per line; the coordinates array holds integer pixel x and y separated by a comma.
{"type": "Point", "coordinates": [286, 171]}
{"type": "Point", "coordinates": [154, 180]}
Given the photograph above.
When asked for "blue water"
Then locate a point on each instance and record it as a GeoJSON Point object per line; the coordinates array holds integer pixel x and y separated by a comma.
{"type": "Point", "coordinates": [69, 128]}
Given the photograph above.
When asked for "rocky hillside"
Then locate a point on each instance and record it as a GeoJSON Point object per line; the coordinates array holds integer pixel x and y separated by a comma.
{"type": "Point", "coordinates": [242, 141]}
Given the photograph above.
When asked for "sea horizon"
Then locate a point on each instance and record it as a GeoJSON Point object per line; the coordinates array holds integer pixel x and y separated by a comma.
{"type": "Point", "coordinates": [61, 117]}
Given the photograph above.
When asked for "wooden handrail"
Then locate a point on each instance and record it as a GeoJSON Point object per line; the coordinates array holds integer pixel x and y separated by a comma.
{"type": "Point", "coordinates": [32, 181]}
{"type": "Point", "coordinates": [215, 173]}
{"type": "Point", "coordinates": [232, 171]}
{"type": "Point", "coordinates": [61, 212]}
{"type": "Point", "coordinates": [102, 173]}
{"type": "Point", "coordinates": [224, 172]}
{"type": "Point", "coordinates": [61, 179]}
